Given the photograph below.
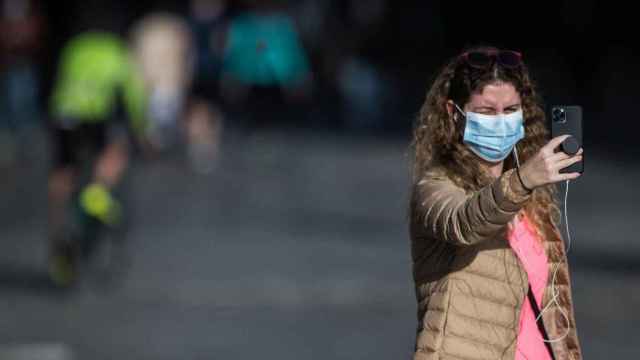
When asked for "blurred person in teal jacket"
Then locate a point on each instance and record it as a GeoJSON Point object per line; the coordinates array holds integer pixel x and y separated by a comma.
{"type": "Point", "coordinates": [263, 56]}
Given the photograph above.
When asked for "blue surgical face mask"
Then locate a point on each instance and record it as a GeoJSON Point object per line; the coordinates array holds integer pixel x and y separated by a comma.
{"type": "Point", "coordinates": [492, 137]}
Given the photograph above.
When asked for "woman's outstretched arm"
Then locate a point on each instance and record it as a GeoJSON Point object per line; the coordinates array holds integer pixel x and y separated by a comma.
{"type": "Point", "coordinates": [452, 215]}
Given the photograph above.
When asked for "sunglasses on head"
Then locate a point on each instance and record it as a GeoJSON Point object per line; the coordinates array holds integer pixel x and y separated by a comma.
{"type": "Point", "coordinates": [483, 59]}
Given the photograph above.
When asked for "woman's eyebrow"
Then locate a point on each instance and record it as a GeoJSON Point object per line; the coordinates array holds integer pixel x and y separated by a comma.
{"type": "Point", "coordinates": [514, 105]}
{"type": "Point", "coordinates": [484, 107]}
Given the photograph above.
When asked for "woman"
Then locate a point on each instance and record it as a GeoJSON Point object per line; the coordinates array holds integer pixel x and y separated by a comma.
{"type": "Point", "coordinates": [486, 250]}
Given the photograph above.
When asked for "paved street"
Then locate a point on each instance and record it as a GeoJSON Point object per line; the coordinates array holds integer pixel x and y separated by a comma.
{"type": "Point", "coordinates": [296, 247]}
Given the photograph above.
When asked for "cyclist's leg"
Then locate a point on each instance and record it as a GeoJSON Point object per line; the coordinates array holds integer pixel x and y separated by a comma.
{"type": "Point", "coordinates": [101, 199]}
{"type": "Point", "coordinates": [61, 185]}
{"type": "Point", "coordinates": [108, 170]}
{"type": "Point", "coordinates": [112, 162]}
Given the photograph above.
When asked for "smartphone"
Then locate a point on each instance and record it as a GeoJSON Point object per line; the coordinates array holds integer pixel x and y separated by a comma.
{"type": "Point", "coordinates": [567, 120]}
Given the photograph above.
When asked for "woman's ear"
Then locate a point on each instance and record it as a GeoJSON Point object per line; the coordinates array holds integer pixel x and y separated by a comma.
{"type": "Point", "coordinates": [450, 107]}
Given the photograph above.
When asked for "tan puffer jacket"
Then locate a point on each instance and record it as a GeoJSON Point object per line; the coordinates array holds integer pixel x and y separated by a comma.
{"type": "Point", "coordinates": [470, 285]}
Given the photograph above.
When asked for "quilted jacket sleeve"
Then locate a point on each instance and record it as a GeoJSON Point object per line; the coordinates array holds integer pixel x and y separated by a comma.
{"type": "Point", "coordinates": [450, 214]}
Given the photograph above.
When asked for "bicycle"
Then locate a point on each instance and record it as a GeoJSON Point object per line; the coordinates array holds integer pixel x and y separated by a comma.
{"type": "Point", "coordinates": [86, 246]}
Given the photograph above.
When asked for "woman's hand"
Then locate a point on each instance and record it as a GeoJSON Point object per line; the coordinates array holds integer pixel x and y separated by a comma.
{"type": "Point", "coordinates": [544, 167]}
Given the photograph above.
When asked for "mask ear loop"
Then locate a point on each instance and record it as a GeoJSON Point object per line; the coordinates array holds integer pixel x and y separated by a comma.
{"type": "Point", "coordinates": [459, 109]}
{"type": "Point", "coordinates": [515, 155]}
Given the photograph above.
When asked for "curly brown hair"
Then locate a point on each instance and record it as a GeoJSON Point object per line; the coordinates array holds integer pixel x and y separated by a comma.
{"type": "Point", "coordinates": [437, 138]}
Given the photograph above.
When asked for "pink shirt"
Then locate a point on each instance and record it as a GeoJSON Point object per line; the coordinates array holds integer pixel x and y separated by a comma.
{"type": "Point", "coordinates": [524, 242]}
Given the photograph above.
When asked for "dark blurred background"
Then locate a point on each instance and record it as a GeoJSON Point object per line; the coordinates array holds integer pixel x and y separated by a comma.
{"type": "Point", "coordinates": [579, 51]}
{"type": "Point", "coordinates": [272, 221]}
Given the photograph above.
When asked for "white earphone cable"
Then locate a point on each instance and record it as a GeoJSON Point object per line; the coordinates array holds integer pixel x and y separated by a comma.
{"type": "Point", "coordinates": [566, 218]}
{"type": "Point", "coordinates": [554, 290]}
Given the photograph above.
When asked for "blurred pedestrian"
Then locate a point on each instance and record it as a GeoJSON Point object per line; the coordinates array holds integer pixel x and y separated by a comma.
{"type": "Point", "coordinates": [208, 20]}
{"type": "Point", "coordinates": [265, 65]}
{"type": "Point", "coordinates": [21, 38]}
{"type": "Point", "coordinates": [162, 49]}
{"type": "Point", "coordinates": [167, 54]}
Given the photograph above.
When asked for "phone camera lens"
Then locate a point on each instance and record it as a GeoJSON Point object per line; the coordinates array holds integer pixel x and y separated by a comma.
{"type": "Point", "coordinates": [559, 115]}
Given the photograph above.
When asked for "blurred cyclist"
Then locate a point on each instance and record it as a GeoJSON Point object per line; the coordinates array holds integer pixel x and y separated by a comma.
{"type": "Point", "coordinates": [97, 86]}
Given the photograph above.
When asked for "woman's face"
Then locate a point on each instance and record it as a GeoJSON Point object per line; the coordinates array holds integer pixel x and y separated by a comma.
{"type": "Point", "coordinates": [496, 98]}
